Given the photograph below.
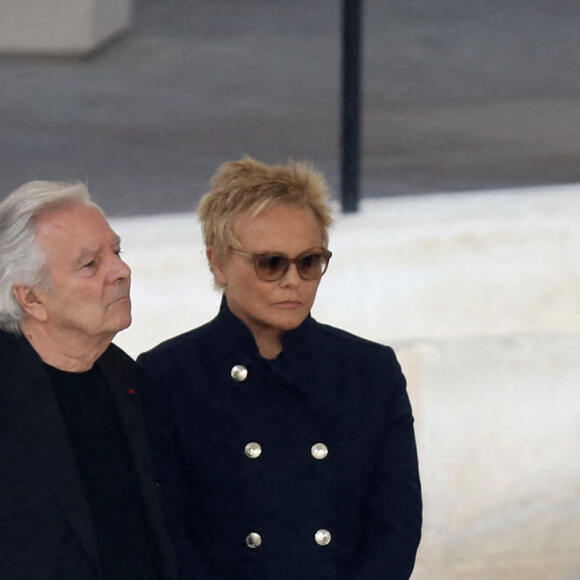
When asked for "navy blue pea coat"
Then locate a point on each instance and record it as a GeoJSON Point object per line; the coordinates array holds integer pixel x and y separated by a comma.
{"type": "Point", "coordinates": [327, 387]}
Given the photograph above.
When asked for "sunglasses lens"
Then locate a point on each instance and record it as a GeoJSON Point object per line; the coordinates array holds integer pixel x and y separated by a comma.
{"type": "Point", "coordinates": [312, 266]}
{"type": "Point", "coordinates": [271, 268]}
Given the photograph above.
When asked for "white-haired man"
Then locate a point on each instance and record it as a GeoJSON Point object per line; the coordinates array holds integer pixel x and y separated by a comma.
{"type": "Point", "coordinates": [77, 496]}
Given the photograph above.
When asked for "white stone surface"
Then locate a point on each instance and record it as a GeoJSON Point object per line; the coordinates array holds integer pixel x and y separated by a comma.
{"type": "Point", "coordinates": [410, 268]}
{"type": "Point", "coordinates": [479, 294]}
{"type": "Point", "coordinates": [498, 425]}
{"type": "Point", "coordinates": [60, 27]}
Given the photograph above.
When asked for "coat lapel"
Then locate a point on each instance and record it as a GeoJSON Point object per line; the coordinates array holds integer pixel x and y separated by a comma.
{"type": "Point", "coordinates": [28, 395]}
{"type": "Point", "coordinates": [126, 384]}
{"type": "Point", "coordinates": [122, 380]}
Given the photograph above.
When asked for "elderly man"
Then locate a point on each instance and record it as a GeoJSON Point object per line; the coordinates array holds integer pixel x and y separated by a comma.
{"type": "Point", "coordinates": [77, 498]}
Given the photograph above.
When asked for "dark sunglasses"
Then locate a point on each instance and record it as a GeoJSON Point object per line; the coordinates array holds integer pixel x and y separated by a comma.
{"type": "Point", "coordinates": [311, 264]}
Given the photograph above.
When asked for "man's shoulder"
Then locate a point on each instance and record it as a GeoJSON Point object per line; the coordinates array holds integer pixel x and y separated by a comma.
{"type": "Point", "coordinates": [14, 348]}
{"type": "Point", "coordinates": [9, 339]}
{"type": "Point", "coordinates": [118, 366]}
{"type": "Point", "coordinates": [116, 354]}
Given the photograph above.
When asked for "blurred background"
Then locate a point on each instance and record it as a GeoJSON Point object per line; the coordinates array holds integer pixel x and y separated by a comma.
{"type": "Point", "coordinates": [463, 256]}
{"type": "Point", "coordinates": [457, 95]}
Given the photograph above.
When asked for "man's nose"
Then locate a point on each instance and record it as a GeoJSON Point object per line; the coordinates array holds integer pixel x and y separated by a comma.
{"type": "Point", "coordinates": [119, 270]}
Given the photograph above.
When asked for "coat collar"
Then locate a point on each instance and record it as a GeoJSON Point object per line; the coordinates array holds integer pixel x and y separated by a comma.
{"type": "Point", "coordinates": [294, 342]}
{"type": "Point", "coordinates": [299, 364]}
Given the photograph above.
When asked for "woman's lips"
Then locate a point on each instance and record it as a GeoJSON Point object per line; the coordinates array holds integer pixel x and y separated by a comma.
{"type": "Point", "coordinates": [288, 304]}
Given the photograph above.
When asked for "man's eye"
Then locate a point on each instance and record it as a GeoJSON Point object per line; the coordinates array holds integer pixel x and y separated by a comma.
{"type": "Point", "coordinates": [90, 264]}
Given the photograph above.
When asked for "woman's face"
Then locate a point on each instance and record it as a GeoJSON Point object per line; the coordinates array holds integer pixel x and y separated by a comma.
{"type": "Point", "coordinates": [270, 307]}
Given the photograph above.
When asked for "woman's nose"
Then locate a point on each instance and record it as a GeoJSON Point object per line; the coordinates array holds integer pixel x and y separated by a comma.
{"type": "Point", "coordinates": [291, 276]}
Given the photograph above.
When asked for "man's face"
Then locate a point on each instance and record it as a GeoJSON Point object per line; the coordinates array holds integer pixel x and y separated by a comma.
{"type": "Point", "coordinates": [88, 295]}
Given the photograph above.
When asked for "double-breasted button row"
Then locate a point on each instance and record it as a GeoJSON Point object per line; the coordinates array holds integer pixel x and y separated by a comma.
{"type": "Point", "coordinates": [239, 373]}
{"type": "Point", "coordinates": [322, 537]}
{"type": "Point", "coordinates": [253, 450]}
{"type": "Point", "coordinates": [253, 540]}
{"type": "Point", "coordinates": [319, 451]}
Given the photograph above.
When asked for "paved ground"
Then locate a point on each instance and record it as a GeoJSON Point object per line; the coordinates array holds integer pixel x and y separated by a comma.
{"type": "Point", "coordinates": [458, 95]}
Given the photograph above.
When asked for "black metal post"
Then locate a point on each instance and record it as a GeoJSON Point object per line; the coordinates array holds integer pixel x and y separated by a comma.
{"type": "Point", "coordinates": [350, 134]}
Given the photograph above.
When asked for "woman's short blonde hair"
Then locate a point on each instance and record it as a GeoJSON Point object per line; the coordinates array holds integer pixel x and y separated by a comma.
{"type": "Point", "coordinates": [248, 185]}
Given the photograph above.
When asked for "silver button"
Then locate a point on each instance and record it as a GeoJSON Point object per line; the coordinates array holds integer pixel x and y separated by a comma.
{"type": "Point", "coordinates": [253, 450]}
{"type": "Point", "coordinates": [239, 373]}
{"type": "Point", "coordinates": [253, 540]}
{"type": "Point", "coordinates": [319, 451]}
{"type": "Point", "coordinates": [322, 537]}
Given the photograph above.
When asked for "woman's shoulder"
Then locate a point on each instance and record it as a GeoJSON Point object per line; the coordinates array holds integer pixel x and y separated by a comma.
{"type": "Point", "coordinates": [353, 350]}
{"type": "Point", "coordinates": [345, 339]}
{"type": "Point", "coordinates": [355, 355]}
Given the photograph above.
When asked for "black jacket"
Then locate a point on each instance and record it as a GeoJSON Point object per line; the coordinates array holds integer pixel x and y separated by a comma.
{"type": "Point", "coordinates": [326, 387]}
{"type": "Point", "coordinates": [46, 530]}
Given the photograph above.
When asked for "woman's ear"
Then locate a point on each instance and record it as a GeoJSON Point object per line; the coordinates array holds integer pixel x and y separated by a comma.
{"type": "Point", "coordinates": [30, 301]}
{"type": "Point", "coordinates": [216, 266]}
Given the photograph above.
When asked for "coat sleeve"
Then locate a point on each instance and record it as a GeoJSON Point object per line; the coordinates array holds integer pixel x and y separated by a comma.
{"type": "Point", "coordinates": [393, 507]}
{"type": "Point", "coordinates": [170, 473]}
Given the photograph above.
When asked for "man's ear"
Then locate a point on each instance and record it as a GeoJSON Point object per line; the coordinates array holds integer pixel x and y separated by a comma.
{"type": "Point", "coordinates": [216, 266]}
{"type": "Point", "coordinates": [31, 303]}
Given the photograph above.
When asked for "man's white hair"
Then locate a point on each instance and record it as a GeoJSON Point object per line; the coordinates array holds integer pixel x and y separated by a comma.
{"type": "Point", "coordinates": [21, 260]}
